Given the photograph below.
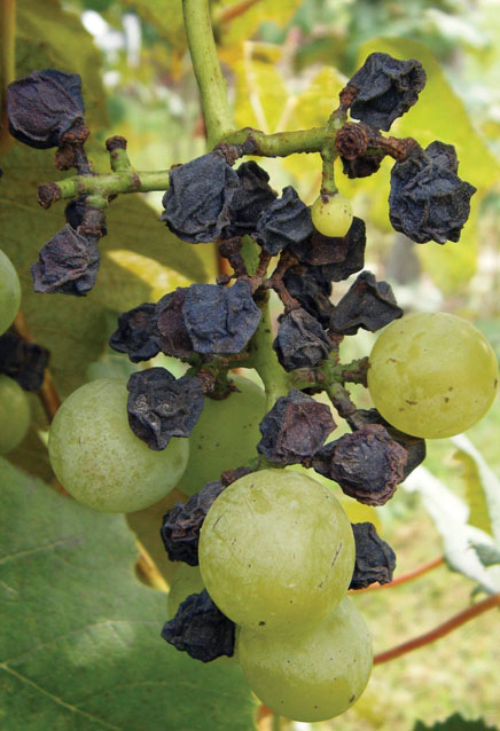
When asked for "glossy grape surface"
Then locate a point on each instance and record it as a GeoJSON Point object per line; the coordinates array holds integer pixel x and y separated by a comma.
{"type": "Point", "coordinates": [225, 436]}
{"type": "Point", "coordinates": [332, 215]}
{"type": "Point", "coordinates": [10, 292]}
{"type": "Point", "coordinates": [15, 414]}
{"type": "Point", "coordinates": [276, 551]}
{"type": "Point", "coordinates": [312, 676]}
{"type": "Point", "coordinates": [99, 460]}
{"type": "Point", "coordinates": [432, 375]}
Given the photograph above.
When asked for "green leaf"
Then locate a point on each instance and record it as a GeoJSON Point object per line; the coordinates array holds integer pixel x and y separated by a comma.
{"type": "Point", "coordinates": [166, 17]}
{"type": "Point", "coordinates": [455, 723]}
{"type": "Point", "coordinates": [81, 645]}
{"type": "Point", "coordinates": [483, 488]}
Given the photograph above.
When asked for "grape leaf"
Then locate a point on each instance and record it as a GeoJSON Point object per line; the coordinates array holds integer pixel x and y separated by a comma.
{"type": "Point", "coordinates": [455, 723]}
{"type": "Point", "coordinates": [450, 515]}
{"type": "Point", "coordinates": [243, 26]}
{"type": "Point", "coordinates": [81, 646]}
{"type": "Point", "coordinates": [483, 488]}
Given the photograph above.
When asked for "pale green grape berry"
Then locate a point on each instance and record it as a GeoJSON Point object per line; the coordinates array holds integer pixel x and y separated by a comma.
{"type": "Point", "coordinates": [276, 551]}
{"type": "Point", "coordinates": [314, 675]}
{"type": "Point", "coordinates": [432, 375]}
{"type": "Point", "coordinates": [332, 215]}
{"type": "Point", "coordinates": [225, 436]}
{"type": "Point", "coordinates": [14, 414]}
{"type": "Point", "coordinates": [187, 580]}
{"type": "Point", "coordinates": [99, 460]}
{"type": "Point", "coordinates": [10, 292]}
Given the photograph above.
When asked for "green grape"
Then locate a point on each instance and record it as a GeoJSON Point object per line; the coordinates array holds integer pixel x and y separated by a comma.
{"type": "Point", "coordinates": [99, 460]}
{"type": "Point", "coordinates": [15, 414]}
{"type": "Point", "coordinates": [332, 215]}
{"type": "Point", "coordinates": [432, 375]}
{"type": "Point", "coordinates": [276, 551]}
{"type": "Point", "coordinates": [10, 292]}
{"type": "Point", "coordinates": [225, 436]}
{"type": "Point", "coordinates": [187, 580]}
{"type": "Point", "coordinates": [314, 675]}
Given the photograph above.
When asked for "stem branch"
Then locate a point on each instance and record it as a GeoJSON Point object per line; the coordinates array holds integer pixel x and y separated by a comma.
{"type": "Point", "coordinates": [440, 631]}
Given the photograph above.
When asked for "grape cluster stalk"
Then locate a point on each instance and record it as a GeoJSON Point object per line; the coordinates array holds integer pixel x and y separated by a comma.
{"type": "Point", "coordinates": [267, 552]}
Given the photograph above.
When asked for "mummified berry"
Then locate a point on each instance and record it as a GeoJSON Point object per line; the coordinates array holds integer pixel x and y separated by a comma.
{"type": "Point", "coordinates": [22, 361]}
{"type": "Point", "coordinates": [286, 221]}
{"type": "Point", "coordinates": [301, 341]}
{"type": "Point", "coordinates": [137, 334]}
{"type": "Point", "coordinates": [43, 106]}
{"type": "Point", "coordinates": [200, 629]}
{"type": "Point", "coordinates": [375, 559]}
{"type": "Point", "coordinates": [181, 527]}
{"type": "Point", "coordinates": [220, 319]}
{"type": "Point", "coordinates": [161, 406]}
{"type": "Point", "coordinates": [386, 89]}
{"type": "Point", "coordinates": [368, 465]}
{"type": "Point", "coordinates": [368, 304]}
{"type": "Point", "coordinates": [309, 286]}
{"type": "Point", "coordinates": [198, 200]}
{"type": "Point", "coordinates": [67, 264]}
{"type": "Point", "coordinates": [428, 201]}
{"type": "Point", "coordinates": [295, 428]}
{"type": "Point", "coordinates": [252, 197]}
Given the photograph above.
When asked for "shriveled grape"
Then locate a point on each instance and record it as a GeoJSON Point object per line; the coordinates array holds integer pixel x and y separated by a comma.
{"type": "Point", "coordinates": [99, 460]}
{"type": "Point", "coordinates": [432, 375]}
{"type": "Point", "coordinates": [276, 551]}
{"type": "Point", "coordinates": [314, 675]}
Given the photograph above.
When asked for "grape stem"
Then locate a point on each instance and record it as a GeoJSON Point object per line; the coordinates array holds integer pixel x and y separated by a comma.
{"type": "Point", "coordinates": [7, 64]}
{"type": "Point", "coordinates": [440, 631]}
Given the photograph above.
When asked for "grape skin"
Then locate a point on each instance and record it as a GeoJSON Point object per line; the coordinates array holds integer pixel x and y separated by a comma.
{"type": "Point", "coordinates": [10, 292]}
{"type": "Point", "coordinates": [15, 414]}
{"type": "Point", "coordinates": [99, 460]}
{"type": "Point", "coordinates": [332, 215]}
{"type": "Point", "coordinates": [432, 375]}
{"type": "Point", "coordinates": [314, 675]}
{"type": "Point", "coordinates": [276, 551]}
{"type": "Point", "coordinates": [225, 436]}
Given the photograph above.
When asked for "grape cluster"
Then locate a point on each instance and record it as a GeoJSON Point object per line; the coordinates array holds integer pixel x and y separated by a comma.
{"type": "Point", "coordinates": [270, 550]}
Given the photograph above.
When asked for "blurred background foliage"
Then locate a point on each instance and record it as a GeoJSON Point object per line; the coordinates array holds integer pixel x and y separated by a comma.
{"type": "Point", "coordinates": [285, 62]}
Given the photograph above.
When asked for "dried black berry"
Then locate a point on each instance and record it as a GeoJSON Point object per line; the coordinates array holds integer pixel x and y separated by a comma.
{"type": "Point", "coordinates": [161, 407]}
{"type": "Point", "coordinates": [43, 106]}
{"type": "Point", "coordinates": [368, 465]}
{"type": "Point", "coordinates": [253, 195]}
{"type": "Point", "coordinates": [137, 333]}
{"type": "Point", "coordinates": [353, 253]}
{"type": "Point", "coordinates": [286, 221]}
{"type": "Point", "coordinates": [301, 341]}
{"type": "Point", "coordinates": [386, 89]}
{"type": "Point", "coordinates": [200, 629]}
{"type": "Point", "coordinates": [308, 286]}
{"type": "Point", "coordinates": [22, 361]}
{"type": "Point", "coordinates": [428, 200]}
{"type": "Point", "coordinates": [75, 211]}
{"type": "Point", "coordinates": [368, 304]}
{"type": "Point", "coordinates": [362, 166]}
{"type": "Point", "coordinates": [413, 445]}
{"type": "Point", "coordinates": [180, 531]}
{"type": "Point", "coordinates": [68, 264]}
{"type": "Point", "coordinates": [375, 559]}
{"type": "Point", "coordinates": [220, 319]}
{"type": "Point", "coordinates": [295, 428]}
{"type": "Point", "coordinates": [319, 250]}
{"type": "Point", "coordinates": [174, 337]}
{"type": "Point", "coordinates": [197, 202]}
